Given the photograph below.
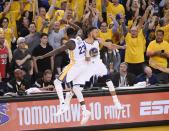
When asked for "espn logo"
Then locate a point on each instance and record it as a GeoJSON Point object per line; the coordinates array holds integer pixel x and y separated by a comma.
{"type": "Point", "coordinates": [154, 107]}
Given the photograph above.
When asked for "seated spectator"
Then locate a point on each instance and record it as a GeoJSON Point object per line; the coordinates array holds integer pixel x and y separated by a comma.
{"type": "Point", "coordinates": [45, 83]}
{"type": "Point", "coordinates": [147, 76]}
{"type": "Point", "coordinates": [22, 58]}
{"type": "Point", "coordinates": [123, 78]}
{"type": "Point", "coordinates": [18, 84]}
{"type": "Point", "coordinates": [112, 60]}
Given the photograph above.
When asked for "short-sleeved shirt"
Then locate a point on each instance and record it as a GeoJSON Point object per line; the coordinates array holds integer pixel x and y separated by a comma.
{"type": "Point", "coordinates": [106, 36]}
{"type": "Point", "coordinates": [55, 38]}
{"type": "Point", "coordinates": [135, 48]}
{"type": "Point", "coordinates": [19, 55]}
{"type": "Point", "coordinates": [166, 32]}
{"type": "Point", "coordinates": [45, 63]}
{"type": "Point", "coordinates": [154, 46]}
{"type": "Point", "coordinates": [114, 10]}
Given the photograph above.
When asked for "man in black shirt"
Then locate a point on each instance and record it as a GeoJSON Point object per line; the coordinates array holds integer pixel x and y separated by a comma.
{"type": "Point", "coordinates": [46, 63]}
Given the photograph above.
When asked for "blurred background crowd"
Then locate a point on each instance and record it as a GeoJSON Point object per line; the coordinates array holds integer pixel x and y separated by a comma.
{"type": "Point", "coordinates": [31, 28]}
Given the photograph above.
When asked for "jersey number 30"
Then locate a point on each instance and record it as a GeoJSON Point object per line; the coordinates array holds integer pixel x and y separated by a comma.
{"type": "Point", "coordinates": [82, 49]}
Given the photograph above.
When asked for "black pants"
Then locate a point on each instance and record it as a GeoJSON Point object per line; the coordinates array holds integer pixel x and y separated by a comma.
{"type": "Point", "coordinates": [163, 78]}
{"type": "Point", "coordinates": [135, 68]}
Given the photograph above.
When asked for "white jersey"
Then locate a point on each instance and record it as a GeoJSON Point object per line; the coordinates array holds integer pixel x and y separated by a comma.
{"type": "Point", "coordinates": [77, 65]}
{"type": "Point", "coordinates": [95, 66]}
{"type": "Point", "coordinates": [93, 51]}
{"type": "Point", "coordinates": [78, 54]}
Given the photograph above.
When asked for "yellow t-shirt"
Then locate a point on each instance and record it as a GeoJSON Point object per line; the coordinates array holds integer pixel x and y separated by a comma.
{"type": "Point", "coordinates": [15, 6]}
{"type": "Point", "coordinates": [130, 23]}
{"type": "Point", "coordinates": [27, 7]}
{"type": "Point", "coordinates": [8, 36]}
{"type": "Point", "coordinates": [105, 36]}
{"type": "Point", "coordinates": [114, 10]}
{"type": "Point", "coordinates": [99, 5]}
{"type": "Point", "coordinates": [72, 4]}
{"type": "Point", "coordinates": [39, 24]}
{"type": "Point", "coordinates": [58, 3]}
{"type": "Point", "coordinates": [80, 4]}
{"type": "Point", "coordinates": [154, 46]}
{"type": "Point", "coordinates": [135, 48]}
{"type": "Point", "coordinates": [166, 32]}
{"type": "Point", "coordinates": [12, 16]}
{"type": "Point", "coordinates": [61, 14]}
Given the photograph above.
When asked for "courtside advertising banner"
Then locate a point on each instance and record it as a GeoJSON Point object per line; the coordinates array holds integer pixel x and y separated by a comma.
{"type": "Point", "coordinates": [35, 115]}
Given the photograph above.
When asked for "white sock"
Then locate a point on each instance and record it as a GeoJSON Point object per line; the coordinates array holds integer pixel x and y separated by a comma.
{"type": "Point", "coordinates": [59, 90]}
{"type": "Point", "coordinates": [110, 86]}
{"type": "Point", "coordinates": [69, 96]}
{"type": "Point", "coordinates": [83, 107]}
{"type": "Point", "coordinates": [115, 99]}
{"type": "Point", "coordinates": [78, 92]}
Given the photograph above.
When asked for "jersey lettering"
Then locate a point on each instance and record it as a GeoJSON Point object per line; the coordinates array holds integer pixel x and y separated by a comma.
{"type": "Point", "coordinates": [82, 49]}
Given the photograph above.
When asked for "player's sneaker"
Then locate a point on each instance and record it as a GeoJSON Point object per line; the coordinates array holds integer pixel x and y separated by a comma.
{"type": "Point", "coordinates": [85, 117]}
{"type": "Point", "coordinates": [62, 109]}
{"type": "Point", "coordinates": [118, 106]}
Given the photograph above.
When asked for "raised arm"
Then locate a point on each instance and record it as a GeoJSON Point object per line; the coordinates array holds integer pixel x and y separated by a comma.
{"type": "Point", "coordinates": [6, 9]}
{"type": "Point", "coordinates": [128, 5]}
{"type": "Point", "coordinates": [52, 22]}
{"type": "Point", "coordinates": [110, 45]}
{"type": "Point", "coordinates": [144, 18]}
{"type": "Point", "coordinates": [69, 45]}
{"type": "Point", "coordinates": [143, 4]}
{"type": "Point", "coordinates": [51, 9]}
{"type": "Point", "coordinates": [87, 5]}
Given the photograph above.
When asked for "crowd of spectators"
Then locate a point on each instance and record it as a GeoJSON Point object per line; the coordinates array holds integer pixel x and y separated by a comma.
{"type": "Point", "coordinates": [31, 28]}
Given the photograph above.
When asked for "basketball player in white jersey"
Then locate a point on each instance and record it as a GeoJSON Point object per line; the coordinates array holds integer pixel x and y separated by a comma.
{"type": "Point", "coordinates": [77, 66]}
{"type": "Point", "coordinates": [96, 66]}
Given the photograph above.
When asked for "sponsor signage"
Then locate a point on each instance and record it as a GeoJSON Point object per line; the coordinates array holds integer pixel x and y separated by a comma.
{"type": "Point", "coordinates": [34, 115]}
